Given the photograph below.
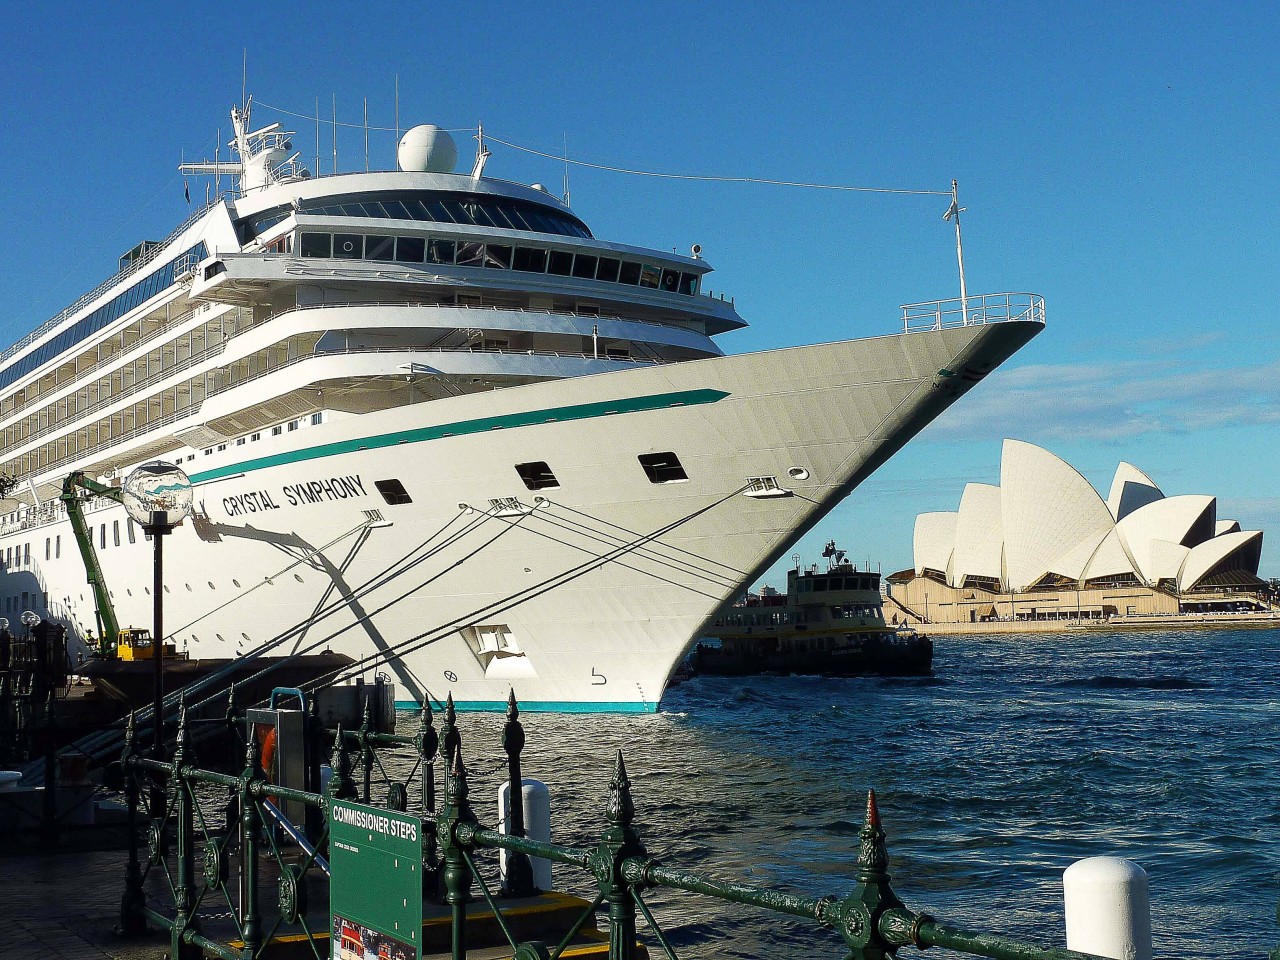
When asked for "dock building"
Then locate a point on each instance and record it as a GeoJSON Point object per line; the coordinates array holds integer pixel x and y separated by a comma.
{"type": "Point", "coordinates": [1044, 545]}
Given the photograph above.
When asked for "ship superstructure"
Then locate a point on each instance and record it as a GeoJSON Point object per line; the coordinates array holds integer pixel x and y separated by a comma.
{"type": "Point", "coordinates": [433, 422]}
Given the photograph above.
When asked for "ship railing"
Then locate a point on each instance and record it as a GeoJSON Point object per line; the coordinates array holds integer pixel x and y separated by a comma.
{"type": "Point", "coordinates": [980, 309]}
{"type": "Point", "coordinates": [217, 841]}
{"type": "Point", "coordinates": [111, 281]}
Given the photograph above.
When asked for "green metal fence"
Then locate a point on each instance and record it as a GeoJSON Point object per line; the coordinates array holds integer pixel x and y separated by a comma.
{"type": "Point", "coordinates": [217, 842]}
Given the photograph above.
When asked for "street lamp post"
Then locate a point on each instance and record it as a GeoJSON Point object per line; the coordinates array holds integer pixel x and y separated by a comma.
{"type": "Point", "coordinates": [158, 498]}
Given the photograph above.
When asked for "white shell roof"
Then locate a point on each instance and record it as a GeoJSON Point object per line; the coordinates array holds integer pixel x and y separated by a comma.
{"type": "Point", "coordinates": [935, 538]}
{"type": "Point", "coordinates": [1203, 558]}
{"type": "Point", "coordinates": [979, 537]}
{"type": "Point", "coordinates": [1130, 490]}
{"type": "Point", "coordinates": [1047, 508]}
{"type": "Point", "coordinates": [1045, 518]}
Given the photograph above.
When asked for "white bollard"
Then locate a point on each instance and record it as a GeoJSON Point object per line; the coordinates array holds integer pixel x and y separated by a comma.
{"type": "Point", "coordinates": [1107, 909]}
{"type": "Point", "coordinates": [537, 825]}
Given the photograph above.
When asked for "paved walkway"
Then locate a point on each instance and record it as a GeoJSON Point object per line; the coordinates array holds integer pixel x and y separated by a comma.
{"type": "Point", "coordinates": [64, 906]}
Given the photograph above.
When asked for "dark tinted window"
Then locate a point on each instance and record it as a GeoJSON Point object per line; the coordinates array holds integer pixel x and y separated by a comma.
{"type": "Point", "coordinates": [608, 269]}
{"type": "Point", "coordinates": [497, 255]}
{"type": "Point", "coordinates": [534, 261]}
{"type": "Point", "coordinates": [440, 251]}
{"type": "Point", "coordinates": [348, 246]}
{"type": "Point", "coordinates": [662, 467]}
{"type": "Point", "coordinates": [470, 254]}
{"type": "Point", "coordinates": [537, 476]}
{"type": "Point", "coordinates": [671, 280]}
{"type": "Point", "coordinates": [584, 266]}
{"type": "Point", "coordinates": [630, 272]}
{"type": "Point", "coordinates": [411, 249]}
{"type": "Point", "coordinates": [688, 283]}
{"type": "Point", "coordinates": [561, 263]}
{"type": "Point", "coordinates": [379, 248]}
{"type": "Point", "coordinates": [650, 276]}
{"type": "Point", "coordinates": [393, 491]}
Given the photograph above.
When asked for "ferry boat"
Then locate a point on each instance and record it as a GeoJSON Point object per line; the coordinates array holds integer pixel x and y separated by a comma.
{"type": "Point", "coordinates": [828, 623]}
{"type": "Point", "coordinates": [434, 423]}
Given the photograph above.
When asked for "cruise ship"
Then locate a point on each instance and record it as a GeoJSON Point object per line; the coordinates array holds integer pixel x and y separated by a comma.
{"type": "Point", "coordinates": [434, 423]}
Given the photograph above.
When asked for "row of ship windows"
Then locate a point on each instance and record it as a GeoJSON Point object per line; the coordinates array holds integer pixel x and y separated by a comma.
{"type": "Point", "coordinates": [277, 430]}
{"type": "Point", "coordinates": [498, 256]}
{"type": "Point", "coordinates": [658, 467]}
{"type": "Point", "coordinates": [831, 582]}
{"type": "Point", "coordinates": [112, 310]}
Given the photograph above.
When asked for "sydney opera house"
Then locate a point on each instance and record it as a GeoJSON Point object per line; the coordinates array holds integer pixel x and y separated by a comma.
{"type": "Point", "coordinates": [1045, 545]}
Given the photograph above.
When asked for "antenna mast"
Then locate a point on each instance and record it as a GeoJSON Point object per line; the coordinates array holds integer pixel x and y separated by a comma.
{"type": "Point", "coordinates": [954, 211]}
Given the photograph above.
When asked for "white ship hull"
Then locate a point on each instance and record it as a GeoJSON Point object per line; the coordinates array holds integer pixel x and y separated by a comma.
{"type": "Point", "coordinates": [588, 598]}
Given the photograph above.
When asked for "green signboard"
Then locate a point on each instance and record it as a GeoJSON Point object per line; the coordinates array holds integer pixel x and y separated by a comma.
{"type": "Point", "coordinates": [375, 889]}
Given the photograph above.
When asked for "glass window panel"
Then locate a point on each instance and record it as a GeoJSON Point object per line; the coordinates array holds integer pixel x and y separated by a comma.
{"type": "Point", "coordinates": [351, 210]}
{"type": "Point", "coordinates": [584, 266]}
{"type": "Point", "coordinates": [372, 208]}
{"type": "Point", "coordinates": [531, 260]}
{"type": "Point", "coordinates": [457, 212]}
{"type": "Point", "coordinates": [379, 248]}
{"type": "Point", "coordinates": [608, 269]}
{"type": "Point", "coordinates": [411, 249]}
{"type": "Point", "coordinates": [440, 251]}
{"type": "Point", "coordinates": [671, 280]}
{"type": "Point", "coordinates": [438, 212]}
{"type": "Point", "coordinates": [315, 244]}
{"type": "Point", "coordinates": [630, 273]}
{"type": "Point", "coordinates": [348, 245]}
{"type": "Point", "coordinates": [417, 210]}
{"type": "Point", "coordinates": [498, 214]}
{"type": "Point", "coordinates": [470, 254]}
{"type": "Point", "coordinates": [395, 209]}
{"type": "Point", "coordinates": [478, 213]}
{"type": "Point", "coordinates": [517, 219]}
{"type": "Point", "coordinates": [561, 263]}
{"type": "Point", "coordinates": [689, 283]}
{"type": "Point", "coordinates": [650, 276]}
{"type": "Point", "coordinates": [497, 255]}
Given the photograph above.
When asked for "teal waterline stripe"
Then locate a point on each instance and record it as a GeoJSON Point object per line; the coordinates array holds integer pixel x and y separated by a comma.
{"type": "Point", "coordinates": [541, 706]}
{"type": "Point", "coordinates": [580, 411]}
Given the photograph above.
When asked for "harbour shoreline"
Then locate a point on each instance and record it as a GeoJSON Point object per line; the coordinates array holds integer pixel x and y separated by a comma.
{"type": "Point", "coordinates": [1269, 620]}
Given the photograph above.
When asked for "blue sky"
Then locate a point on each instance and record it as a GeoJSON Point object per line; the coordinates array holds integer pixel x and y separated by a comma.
{"type": "Point", "coordinates": [1114, 158]}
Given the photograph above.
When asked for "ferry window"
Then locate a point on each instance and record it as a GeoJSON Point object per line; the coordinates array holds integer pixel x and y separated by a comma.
{"type": "Point", "coordinates": [820, 584]}
{"type": "Point", "coordinates": [276, 431]}
{"type": "Point", "coordinates": [393, 491]}
{"type": "Point", "coordinates": [240, 442]}
{"type": "Point", "coordinates": [293, 424]}
{"type": "Point", "coordinates": [317, 418]}
{"type": "Point", "coordinates": [630, 273]}
{"type": "Point", "coordinates": [561, 263]}
{"type": "Point", "coordinates": [470, 254]}
{"type": "Point", "coordinates": [497, 255]}
{"type": "Point", "coordinates": [608, 269]}
{"type": "Point", "coordinates": [252, 436]}
{"type": "Point", "coordinates": [537, 476]}
{"type": "Point", "coordinates": [379, 248]}
{"type": "Point", "coordinates": [517, 220]}
{"type": "Point", "coordinates": [671, 280]}
{"type": "Point", "coordinates": [348, 245]}
{"type": "Point", "coordinates": [530, 260]}
{"type": "Point", "coordinates": [650, 275]}
{"type": "Point", "coordinates": [317, 245]}
{"type": "Point", "coordinates": [689, 283]}
{"type": "Point", "coordinates": [411, 249]}
{"type": "Point", "coordinates": [662, 467]}
{"type": "Point", "coordinates": [584, 266]}
{"type": "Point", "coordinates": [374, 209]}
{"type": "Point", "coordinates": [115, 531]}
{"type": "Point", "coordinates": [440, 251]}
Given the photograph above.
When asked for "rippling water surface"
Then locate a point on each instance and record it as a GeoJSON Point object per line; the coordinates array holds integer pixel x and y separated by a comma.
{"type": "Point", "coordinates": [1022, 755]}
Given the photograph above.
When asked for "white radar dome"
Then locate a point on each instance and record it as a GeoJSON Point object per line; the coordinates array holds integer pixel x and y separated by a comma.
{"type": "Point", "coordinates": [427, 149]}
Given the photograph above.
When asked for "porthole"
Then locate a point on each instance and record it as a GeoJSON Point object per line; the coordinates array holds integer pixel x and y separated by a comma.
{"type": "Point", "coordinates": [245, 635]}
{"type": "Point", "coordinates": [166, 588]}
{"type": "Point", "coordinates": [798, 473]}
{"type": "Point", "coordinates": [235, 583]}
{"type": "Point", "coordinates": [298, 577]}
{"type": "Point", "coordinates": [219, 636]}
{"type": "Point", "coordinates": [188, 586]}
{"type": "Point", "coordinates": [211, 586]}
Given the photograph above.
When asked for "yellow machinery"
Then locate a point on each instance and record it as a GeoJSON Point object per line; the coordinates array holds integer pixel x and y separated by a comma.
{"type": "Point", "coordinates": [134, 643]}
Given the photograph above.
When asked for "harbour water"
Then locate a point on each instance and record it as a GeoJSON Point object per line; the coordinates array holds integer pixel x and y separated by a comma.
{"type": "Point", "coordinates": [1020, 756]}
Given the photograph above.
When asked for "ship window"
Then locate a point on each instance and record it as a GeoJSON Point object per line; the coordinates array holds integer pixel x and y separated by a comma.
{"type": "Point", "coordinates": [411, 249]}
{"type": "Point", "coordinates": [584, 266]}
{"type": "Point", "coordinates": [393, 492]}
{"type": "Point", "coordinates": [57, 546]}
{"type": "Point", "coordinates": [537, 476]}
{"type": "Point", "coordinates": [530, 260]}
{"type": "Point", "coordinates": [396, 211]}
{"type": "Point", "coordinates": [689, 283]}
{"type": "Point", "coordinates": [561, 263]}
{"type": "Point", "coordinates": [497, 255]}
{"type": "Point", "coordinates": [115, 531]}
{"type": "Point", "coordinates": [379, 248]}
{"type": "Point", "coordinates": [317, 245]}
{"type": "Point", "coordinates": [293, 424]}
{"type": "Point", "coordinates": [254, 436]}
{"type": "Point", "coordinates": [440, 251]}
{"type": "Point", "coordinates": [128, 529]}
{"type": "Point", "coordinates": [48, 547]}
{"type": "Point", "coordinates": [275, 432]}
{"type": "Point", "coordinates": [650, 276]}
{"type": "Point", "coordinates": [662, 467]}
{"type": "Point", "coordinates": [348, 245]}
{"type": "Point", "coordinates": [671, 280]}
{"type": "Point", "coordinates": [470, 254]}
{"type": "Point", "coordinates": [317, 418]}
{"type": "Point", "coordinates": [240, 442]}
{"type": "Point", "coordinates": [608, 269]}
{"type": "Point", "coordinates": [499, 216]}
{"type": "Point", "coordinates": [630, 273]}
{"type": "Point", "coordinates": [102, 536]}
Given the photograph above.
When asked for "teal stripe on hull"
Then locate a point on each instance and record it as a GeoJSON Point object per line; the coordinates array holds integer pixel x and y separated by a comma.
{"type": "Point", "coordinates": [538, 706]}
{"type": "Point", "coordinates": [580, 411]}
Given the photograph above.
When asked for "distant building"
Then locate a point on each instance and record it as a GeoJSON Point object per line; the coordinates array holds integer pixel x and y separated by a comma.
{"type": "Point", "coordinates": [1045, 545]}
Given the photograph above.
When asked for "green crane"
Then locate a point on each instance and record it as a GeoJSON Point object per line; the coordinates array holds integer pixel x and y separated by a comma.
{"type": "Point", "coordinates": [108, 625]}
